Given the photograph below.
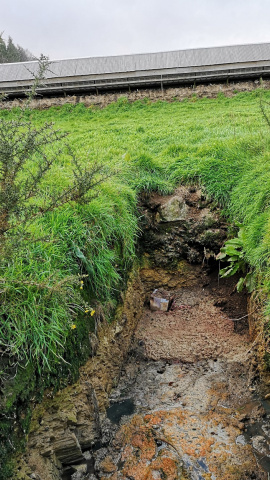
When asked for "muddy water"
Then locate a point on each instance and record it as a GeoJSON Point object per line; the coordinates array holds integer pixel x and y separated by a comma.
{"type": "Point", "coordinates": [186, 405]}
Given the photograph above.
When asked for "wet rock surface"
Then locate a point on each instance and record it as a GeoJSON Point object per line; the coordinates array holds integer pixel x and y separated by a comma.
{"type": "Point", "coordinates": [191, 380]}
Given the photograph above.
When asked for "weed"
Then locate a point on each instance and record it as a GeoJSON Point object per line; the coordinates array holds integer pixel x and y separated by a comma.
{"type": "Point", "coordinates": [233, 253]}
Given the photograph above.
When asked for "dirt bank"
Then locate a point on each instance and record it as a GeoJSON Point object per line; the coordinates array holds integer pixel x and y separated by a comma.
{"type": "Point", "coordinates": [188, 403]}
{"type": "Point", "coordinates": [169, 394]}
{"type": "Point", "coordinates": [64, 425]}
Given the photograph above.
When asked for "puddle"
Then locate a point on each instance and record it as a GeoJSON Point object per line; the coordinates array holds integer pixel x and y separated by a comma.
{"type": "Point", "coordinates": [120, 409]}
{"type": "Point", "coordinates": [196, 470]}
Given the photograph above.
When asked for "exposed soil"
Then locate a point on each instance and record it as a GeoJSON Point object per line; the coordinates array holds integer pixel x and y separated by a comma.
{"type": "Point", "coordinates": [185, 403]}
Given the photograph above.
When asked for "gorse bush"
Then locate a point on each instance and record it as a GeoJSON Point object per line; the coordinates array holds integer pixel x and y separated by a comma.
{"type": "Point", "coordinates": [26, 157]}
{"type": "Point", "coordinates": [38, 301]}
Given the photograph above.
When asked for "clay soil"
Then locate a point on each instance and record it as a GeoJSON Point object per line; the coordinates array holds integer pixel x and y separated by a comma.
{"type": "Point", "coordinates": [192, 383]}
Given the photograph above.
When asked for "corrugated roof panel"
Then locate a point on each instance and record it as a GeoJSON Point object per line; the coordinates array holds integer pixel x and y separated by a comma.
{"type": "Point", "coordinates": [140, 62]}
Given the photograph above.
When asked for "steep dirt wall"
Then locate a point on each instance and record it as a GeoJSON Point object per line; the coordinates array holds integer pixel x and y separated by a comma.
{"type": "Point", "coordinates": [258, 329]}
{"type": "Point", "coordinates": [168, 94]}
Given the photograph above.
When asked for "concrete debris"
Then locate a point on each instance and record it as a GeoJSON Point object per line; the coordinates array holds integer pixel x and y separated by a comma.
{"type": "Point", "coordinates": [161, 300]}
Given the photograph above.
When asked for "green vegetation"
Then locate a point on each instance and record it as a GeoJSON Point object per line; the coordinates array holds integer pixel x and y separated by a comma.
{"type": "Point", "coordinates": [233, 253]}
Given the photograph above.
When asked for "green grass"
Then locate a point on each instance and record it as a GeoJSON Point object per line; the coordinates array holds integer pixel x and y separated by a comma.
{"type": "Point", "coordinates": [222, 144]}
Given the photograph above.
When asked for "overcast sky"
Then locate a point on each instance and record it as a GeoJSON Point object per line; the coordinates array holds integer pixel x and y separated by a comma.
{"type": "Point", "coordinates": [83, 28]}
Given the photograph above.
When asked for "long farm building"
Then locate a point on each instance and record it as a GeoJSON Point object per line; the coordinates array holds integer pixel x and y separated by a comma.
{"type": "Point", "coordinates": [160, 70]}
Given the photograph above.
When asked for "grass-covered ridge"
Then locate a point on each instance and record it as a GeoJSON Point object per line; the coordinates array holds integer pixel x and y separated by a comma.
{"type": "Point", "coordinates": [222, 144]}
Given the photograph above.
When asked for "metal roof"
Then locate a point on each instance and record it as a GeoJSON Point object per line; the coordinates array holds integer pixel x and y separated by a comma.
{"type": "Point", "coordinates": [139, 62]}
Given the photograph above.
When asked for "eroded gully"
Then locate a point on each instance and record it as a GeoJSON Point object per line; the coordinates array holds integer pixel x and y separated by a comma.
{"type": "Point", "coordinates": [186, 406]}
{"type": "Point", "coordinates": [187, 403]}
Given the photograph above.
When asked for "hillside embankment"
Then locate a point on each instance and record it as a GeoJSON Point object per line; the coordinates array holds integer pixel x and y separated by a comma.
{"type": "Point", "coordinates": [167, 94]}
{"type": "Point", "coordinates": [221, 145]}
{"type": "Point", "coordinates": [167, 394]}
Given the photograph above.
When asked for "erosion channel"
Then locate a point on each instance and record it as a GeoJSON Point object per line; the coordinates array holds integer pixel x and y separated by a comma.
{"type": "Point", "coordinates": [186, 402]}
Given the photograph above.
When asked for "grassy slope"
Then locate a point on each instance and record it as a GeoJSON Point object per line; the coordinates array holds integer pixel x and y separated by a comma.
{"type": "Point", "coordinates": [223, 144]}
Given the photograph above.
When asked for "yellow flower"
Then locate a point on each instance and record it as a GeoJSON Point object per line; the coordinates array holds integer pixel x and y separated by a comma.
{"type": "Point", "coordinates": [81, 287]}
{"type": "Point", "coordinates": [86, 311]}
{"type": "Point", "coordinates": [81, 282]}
{"type": "Point", "coordinates": [92, 313]}
{"type": "Point", "coordinates": [73, 326]}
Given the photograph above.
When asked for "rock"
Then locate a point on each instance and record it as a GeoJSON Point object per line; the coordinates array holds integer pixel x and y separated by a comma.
{"type": "Point", "coordinates": [99, 457]}
{"type": "Point", "coordinates": [159, 304]}
{"type": "Point", "coordinates": [87, 455]}
{"type": "Point", "coordinates": [107, 465]}
{"type": "Point", "coordinates": [260, 444]}
{"type": "Point", "coordinates": [174, 210]}
{"type": "Point", "coordinates": [67, 449]}
{"type": "Point", "coordinates": [47, 451]}
{"type": "Point", "coordinates": [161, 300]}
{"type": "Point", "coordinates": [180, 227]}
{"type": "Point", "coordinates": [82, 467]}
{"type": "Point", "coordinates": [266, 429]}
{"type": "Point", "coordinates": [240, 440]}
{"type": "Point", "coordinates": [78, 476]}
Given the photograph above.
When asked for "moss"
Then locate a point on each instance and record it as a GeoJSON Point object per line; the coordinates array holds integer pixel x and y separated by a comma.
{"type": "Point", "coordinates": [17, 386]}
{"type": "Point", "coordinates": [6, 465]}
{"type": "Point", "coordinates": [17, 390]}
{"type": "Point", "coordinates": [182, 267]}
{"type": "Point", "coordinates": [11, 441]}
{"type": "Point", "coordinates": [211, 238]}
